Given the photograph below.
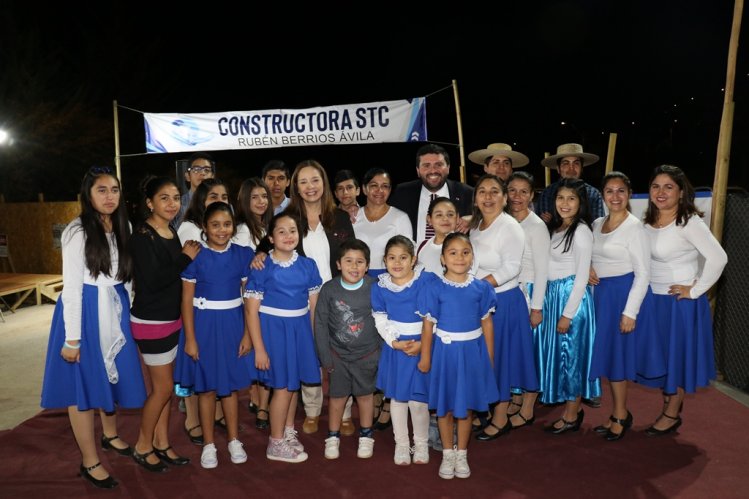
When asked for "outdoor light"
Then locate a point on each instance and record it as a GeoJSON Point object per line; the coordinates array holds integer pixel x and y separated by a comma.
{"type": "Point", "coordinates": [4, 137]}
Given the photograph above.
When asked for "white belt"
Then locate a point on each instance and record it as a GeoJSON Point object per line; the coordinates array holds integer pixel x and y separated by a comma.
{"type": "Point", "coordinates": [504, 287]}
{"type": "Point", "coordinates": [203, 304]}
{"type": "Point", "coordinates": [407, 328]}
{"type": "Point", "coordinates": [282, 312]}
{"type": "Point", "coordinates": [448, 337]}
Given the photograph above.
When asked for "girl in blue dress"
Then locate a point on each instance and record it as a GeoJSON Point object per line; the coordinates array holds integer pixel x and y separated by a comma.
{"type": "Point", "coordinates": [92, 360]}
{"type": "Point", "coordinates": [457, 308]}
{"type": "Point", "coordinates": [280, 302]}
{"type": "Point", "coordinates": [394, 307]}
{"type": "Point", "coordinates": [212, 356]}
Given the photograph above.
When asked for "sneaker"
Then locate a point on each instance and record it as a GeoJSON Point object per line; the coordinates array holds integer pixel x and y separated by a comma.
{"type": "Point", "coordinates": [366, 447]}
{"type": "Point", "coordinates": [279, 450]}
{"type": "Point", "coordinates": [289, 434]}
{"type": "Point", "coordinates": [402, 455]}
{"type": "Point", "coordinates": [421, 453]}
{"type": "Point", "coordinates": [332, 445]}
{"type": "Point", "coordinates": [461, 464]}
{"type": "Point", "coordinates": [208, 458]}
{"type": "Point", "coordinates": [237, 453]}
{"type": "Point", "coordinates": [447, 466]}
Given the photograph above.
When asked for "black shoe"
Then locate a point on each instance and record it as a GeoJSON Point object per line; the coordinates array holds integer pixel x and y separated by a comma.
{"type": "Point", "coordinates": [379, 425]}
{"type": "Point", "coordinates": [567, 425]}
{"type": "Point", "coordinates": [252, 407]}
{"type": "Point", "coordinates": [526, 421]}
{"type": "Point", "coordinates": [511, 405]}
{"type": "Point", "coordinates": [483, 436]}
{"type": "Point", "coordinates": [105, 483]}
{"type": "Point", "coordinates": [220, 422]}
{"type": "Point", "coordinates": [595, 402]}
{"type": "Point", "coordinates": [654, 432]}
{"type": "Point", "coordinates": [163, 454]}
{"type": "Point", "coordinates": [262, 423]}
{"type": "Point", "coordinates": [159, 467]}
{"type": "Point", "coordinates": [626, 423]}
{"type": "Point", "coordinates": [197, 440]}
{"type": "Point", "coordinates": [483, 423]}
{"type": "Point", "coordinates": [106, 444]}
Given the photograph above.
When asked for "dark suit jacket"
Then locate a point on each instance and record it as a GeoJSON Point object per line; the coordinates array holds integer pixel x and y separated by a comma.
{"type": "Point", "coordinates": [406, 197]}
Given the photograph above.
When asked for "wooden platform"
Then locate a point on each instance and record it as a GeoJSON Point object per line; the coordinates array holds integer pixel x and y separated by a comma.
{"type": "Point", "coordinates": [48, 285]}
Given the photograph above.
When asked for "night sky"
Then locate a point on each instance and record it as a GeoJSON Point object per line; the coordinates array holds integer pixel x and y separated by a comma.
{"type": "Point", "coordinates": [653, 72]}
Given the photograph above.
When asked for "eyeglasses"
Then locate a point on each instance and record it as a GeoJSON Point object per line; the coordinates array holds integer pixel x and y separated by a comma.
{"type": "Point", "coordinates": [100, 170]}
{"type": "Point", "coordinates": [200, 169]}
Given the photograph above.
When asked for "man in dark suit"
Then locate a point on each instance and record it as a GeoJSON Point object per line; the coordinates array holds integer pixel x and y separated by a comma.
{"type": "Point", "coordinates": [432, 168]}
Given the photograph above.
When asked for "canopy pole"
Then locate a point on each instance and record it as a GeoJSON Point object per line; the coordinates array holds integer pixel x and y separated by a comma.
{"type": "Point", "coordinates": [610, 154]}
{"type": "Point", "coordinates": [461, 147]}
{"type": "Point", "coordinates": [116, 140]}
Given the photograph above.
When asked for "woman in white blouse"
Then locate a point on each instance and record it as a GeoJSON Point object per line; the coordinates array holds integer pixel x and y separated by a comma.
{"type": "Point", "coordinates": [679, 239]}
{"type": "Point", "coordinates": [254, 211]}
{"type": "Point", "coordinates": [625, 314]}
{"type": "Point", "coordinates": [376, 222]}
{"type": "Point", "coordinates": [534, 268]}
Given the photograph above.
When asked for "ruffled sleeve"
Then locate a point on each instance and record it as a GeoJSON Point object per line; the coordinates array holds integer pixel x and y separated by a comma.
{"type": "Point", "coordinates": [488, 299]}
{"type": "Point", "coordinates": [427, 302]}
{"type": "Point", "coordinates": [255, 287]}
{"type": "Point", "coordinates": [314, 282]}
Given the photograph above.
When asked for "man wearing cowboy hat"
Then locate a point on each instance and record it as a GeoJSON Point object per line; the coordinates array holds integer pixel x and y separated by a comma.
{"type": "Point", "coordinates": [569, 161]}
{"type": "Point", "coordinates": [499, 159]}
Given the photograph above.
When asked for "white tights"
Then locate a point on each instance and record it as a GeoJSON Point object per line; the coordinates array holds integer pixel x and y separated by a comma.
{"type": "Point", "coordinates": [419, 421]}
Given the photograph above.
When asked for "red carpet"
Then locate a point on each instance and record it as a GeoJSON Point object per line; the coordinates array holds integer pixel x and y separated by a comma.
{"type": "Point", "coordinates": [708, 458]}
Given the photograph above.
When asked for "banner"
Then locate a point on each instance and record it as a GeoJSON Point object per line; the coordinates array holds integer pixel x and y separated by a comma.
{"type": "Point", "coordinates": [370, 123]}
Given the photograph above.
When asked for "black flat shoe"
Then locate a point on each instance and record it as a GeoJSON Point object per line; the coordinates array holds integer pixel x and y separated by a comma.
{"type": "Point", "coordinates": [511, 405]}
{"type": "Point", "coordinates": [262, 423]}
{"type": "Point", "coordinates": [197, 440]}
{"type": "Point", "coordinates": [220, 422]}
{"type": "Point", "coordinates": [654, 432]}
{"type": "Point", "coordinates": [526, 421]}
{"type": "Point", "coordinates": [104, 483]}
{"type": "Point", "coordinates": [566, 425]}
{"type": "Point", "coordinates": [252, 407]}
{"type": "Point", "coordinates": [626, 423]}
{"type": "Point", "coordinates": [106, 444]}
{"type": "Point", "coordinates": [483, 423]}
{"type": "Point", "coordinates": [159, 467]}
{"type": "Point", "coordinates": [163, 454]}
{"type": "Point", "coordinates": [483, 436]}
{"type": "Point", "coordinates": [595, 402]}
{"type": "Point", "coordinates": [379, 425]}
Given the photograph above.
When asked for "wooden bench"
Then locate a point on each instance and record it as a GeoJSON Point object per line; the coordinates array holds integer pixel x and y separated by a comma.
{"type": "Point", "coordinates": [49, 285]}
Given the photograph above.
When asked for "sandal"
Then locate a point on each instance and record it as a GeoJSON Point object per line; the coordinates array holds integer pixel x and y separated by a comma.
{"type": "Point", "coordinates": [196, 439]}
{"type": "Point", "coordinates": [513, 403]}
{"type": "Point", "coordinates": [262, 423]}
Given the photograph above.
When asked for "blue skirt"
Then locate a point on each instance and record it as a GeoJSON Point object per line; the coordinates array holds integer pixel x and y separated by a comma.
{"type": "Point", "coordinates": [514, 356]}
{"type": "Point", "coordinates": [685, 331]}
{"type": "Point", "coordinates": [85, 384]}
{"type": "Point", "coordinates": [565, 359]}
{"type": "Point", "coordinates": [399, 378]}
{"type": "Point", "coordinates": [219, 367]}
{"type": "Point", "coordinates": [461, 378]}
{"type": "Point", "coordinates": [291, 350]}
{"type": "Point", "coordinates": [621, 356]}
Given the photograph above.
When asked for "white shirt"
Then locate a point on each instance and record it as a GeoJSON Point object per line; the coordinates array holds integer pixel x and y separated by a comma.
{"type": "Point", "coordinates": [376, 234]}
{"type": "Point", "coordinates": [243, 237]}
{"type": "Point", "coordinates": [576, 261]}
{"type": "Point", "coordinates": [499, 251]}
{"type": "Point", "coordinates": [625, 249]}
{"type": "Point", "coordinates": [424, 200]}
{"type": "Point", "coordinates": [316, 246]}
{"type": "Point", "coordinates": [282, 206]}
{"type": "Point", "coordinates": [534, 265]}
{"type": "Point", "coordinates": [675, 252]}
{"type": "Point", "coordinates": [429, 257]}
{"type": "Point", "coordinates": [188, 231]}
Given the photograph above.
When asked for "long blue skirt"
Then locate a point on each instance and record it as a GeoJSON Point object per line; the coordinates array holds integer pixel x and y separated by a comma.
{"type": "Point", "coordinates": [621, 356]}
{"type": "Point", "coordinates": [85, 384]}
{"type": "Point", "coordinates": [685, 330]}
{"type": "Point", "coordinates": [514, 356]}
{"type": "Point", "coordinates": [565, 359]}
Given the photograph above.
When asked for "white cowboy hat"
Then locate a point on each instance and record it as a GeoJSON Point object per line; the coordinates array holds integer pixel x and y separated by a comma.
{"type": "Point", "coordinates": [518, 159]}
{"type": "Point", "coordinates": [569, 150]}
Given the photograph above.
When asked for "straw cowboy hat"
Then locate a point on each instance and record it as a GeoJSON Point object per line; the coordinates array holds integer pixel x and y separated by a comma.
{"type": "Point", "coordinates": [569, 150]}
{"type": "Point", "coordinates": [518, 159]}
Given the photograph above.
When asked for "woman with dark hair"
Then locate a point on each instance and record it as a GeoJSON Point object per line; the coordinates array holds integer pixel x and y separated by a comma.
{"type": "Point", "coordinates": [376, 222]}
{"type": "Point", "coordinates": [158, 260]}
{"type": "Point", "coordinates": [568, 329]}
{"type": "Point", "coordinates": [254, 211]}
{"type": "Point", "coordinates": [625, 317]}
{"type": "Point", "coordinates": [679, 240]}
{"type": "Point", "coordinates": [92, 362]}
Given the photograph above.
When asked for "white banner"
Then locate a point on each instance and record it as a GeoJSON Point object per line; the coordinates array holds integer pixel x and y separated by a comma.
{"type": "Point", "coordinates": [370, 123]}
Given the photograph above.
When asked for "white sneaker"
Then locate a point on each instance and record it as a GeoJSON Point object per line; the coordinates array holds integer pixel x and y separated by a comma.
{"type": "Point", "coordinates": [208, 458]}
{"type": "Point", "coordinates": [447, 466]}
{"type": "Point", "coordinates": [289, 434]}
{"type": "Point", "coordinates": [421, 453]}
{"type": "Point", "coordinates": [366, 448]}
{"type": "Point", "coordinates": [237, 453]}
{"type": "Point", "coordinates": [279, 450]}
{"type": "Point", "coordinates": [402, 455]}
{"type": "Point", "coordinates": [332, 445]}
{"type": "Point", "coordinates": [461, 464]}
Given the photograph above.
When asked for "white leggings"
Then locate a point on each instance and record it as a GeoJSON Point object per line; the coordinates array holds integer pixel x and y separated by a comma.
{"type": "Point", "coordinates": [419, 421]}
